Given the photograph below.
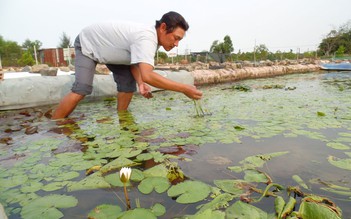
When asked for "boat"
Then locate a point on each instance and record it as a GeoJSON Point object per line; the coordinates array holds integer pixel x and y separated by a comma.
{"type": "Point", "coordinates": [344, 66]}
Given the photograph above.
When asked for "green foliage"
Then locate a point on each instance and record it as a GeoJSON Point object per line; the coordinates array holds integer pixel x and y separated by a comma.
{"type": "Point", "coordinates": [65, 41]}
{"type": "Point", "coordinates": [261, 52]}
{"type": "Point", "coordinates": [161, 57]}
{"type": "Point", "coordinates": [340, 51]}
{"type": "Point", "coordinates": [337, 41]}
{"type": "Point", "coordinates": [10, 52]}
{"type": "Point", "coordinates": [46, 207]}
{"type": "Point", "coordinates": [189, 191]}
{"type": "Point", "coordinates": [261, 114]}
{"type": "Point", "coordinates": [29, 45]}
{"type": "Point", "coordinates": [225, 47]}
{"type": "Point", "coordinates": [26, 59]}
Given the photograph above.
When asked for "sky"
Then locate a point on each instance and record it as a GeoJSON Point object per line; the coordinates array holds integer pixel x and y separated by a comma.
{"type": "Point", "coordinates": [282, 25]}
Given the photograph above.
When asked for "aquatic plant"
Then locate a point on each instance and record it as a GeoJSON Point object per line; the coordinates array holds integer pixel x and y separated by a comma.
{"type": "Point", "coordinates": [124, 175]}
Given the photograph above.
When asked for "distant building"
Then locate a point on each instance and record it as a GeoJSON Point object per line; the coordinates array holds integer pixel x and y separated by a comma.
{"type": "Point", "coordinates": [56, 57]}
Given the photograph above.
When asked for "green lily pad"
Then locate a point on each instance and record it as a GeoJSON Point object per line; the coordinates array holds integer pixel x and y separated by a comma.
{"type": "Point", "coordinates": [138, 213]}
{"type": "Point", "coordinates": [31, 187]}
{"type": "Point", "coordinates": [115, 180]}
{"type": "Point", "coordinates": [13, 181]}
{"type": "Point", "coordinates": [189, 191]}
{"type": "Point", "coordinates": [256, 161]}
{"type": "Point", "coordinates": [338, 191]}
{"type": "Point", "coordinates": [235, 187]}
{"type": "Point", "coordinates": [158, 209]}
{"type": "Point", "coordinates": [341, 163]}
{"type": "Point", "coordinates": [137, 175]}
{"type": "Point", "coordinates": [255, 176]}
{"type": "Point", "coordinates": [54, 186]}
{"type": "Point", "coordinates": [315, 210]}
{"type": "Point", "coordinates": [145, 156]}
{"type": "Point", "coordinates": [46, 207]}
{"type": "Point", "coordinates": [125, 152]}
{"type": "Point", "coordinates": [116, 164]}
{"type": "Point", "coordinates": [92, 181]}
{"type": "Point", "coordinates": [241, 210]}
{"type": "Point", "coordinates": [338, 146]}
{"type": "Point", "coordinates": [158, 170]}
{"type": "Point", "coordinates": [105, 212]}
{"type": "Point", "coordinates": [207, 214]}
{"type": "Point", "coordinates": [159, 184]}
{"type": "Point", "coordinates": [67, 176]}
{"type": "Point", "coordinates": [220, 201]}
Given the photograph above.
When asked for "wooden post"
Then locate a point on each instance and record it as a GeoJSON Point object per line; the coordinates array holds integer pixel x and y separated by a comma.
{"type": "Point", "coordinates": [35, 55]}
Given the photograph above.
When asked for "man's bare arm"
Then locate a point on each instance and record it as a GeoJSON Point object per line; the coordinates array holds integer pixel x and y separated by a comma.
{"type": "Point", "coordinates": [156, 80]}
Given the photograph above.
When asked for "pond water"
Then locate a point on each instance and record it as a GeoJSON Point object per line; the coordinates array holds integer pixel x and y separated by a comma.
{"type": "Point", "coordinates": [292, 130]}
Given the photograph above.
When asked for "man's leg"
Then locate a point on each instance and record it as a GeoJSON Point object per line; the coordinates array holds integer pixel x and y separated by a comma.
{"type": "Point", "coordinates": [84, 76]}
{"type": "Point", "coordinates": [67, 105]}
{"type": "Point", "coordinates": [126, 85]}
{"type": "Point", "coordinates": [123, 100]}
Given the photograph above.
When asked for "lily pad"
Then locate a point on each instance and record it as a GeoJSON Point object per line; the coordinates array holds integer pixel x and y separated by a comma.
{"type": "Point", "coordinates": [158, 170]}
{"type": "Point", "coordinates": [220, 201]}
{"type": "Point", "coordinates": [92, 181]}
{"type": "Point", "coordinates": [235, 187]}
{"type": "Point", "coordinates": [116, 164]}
{"type": "Point", "coordinates": [54, 186]}
{"type": "Point", "coordinates": [255, 161]}
{"type": "Point", "coordinates": [255, 176]}
{"type": "Point", "coordinates": [138, 213]}
{"type": "Point", "coordinates": [207, 214]}
{"type": "Point", "coordinates": [189, 191]}
{"type": "Point", "coordinates": [338, 146]}
{"type": "Point", "coordinates": [158, 209]}
{"type": "Point", "coordinates": [105, 212]}
{"type": "Point", "coordinates": [241, 210]}
{"type": "Point", "coordinates": [47, 206]}
{"type": "Point", "coordinates": [159, 184]}
{"type": "Point", "coordinates": [341, 163]}
{"type": "Point", "coordinates": [315, 210]}
{"type": "Point", "coordinates": [31, 187]}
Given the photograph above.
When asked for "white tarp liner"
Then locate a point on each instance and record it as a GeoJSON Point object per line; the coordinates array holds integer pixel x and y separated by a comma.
{"type": "Point", "coordinates": [23, 92]}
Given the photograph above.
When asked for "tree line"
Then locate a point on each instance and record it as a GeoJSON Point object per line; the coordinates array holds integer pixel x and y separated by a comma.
{"type": "Point", "coordinates": [337, 43]}
{"type": "Point", "coordinates": [13, 54]}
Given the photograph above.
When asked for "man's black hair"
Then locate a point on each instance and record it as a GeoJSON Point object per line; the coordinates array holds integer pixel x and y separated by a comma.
{"type": "Point", "coordinates": [173, 20]}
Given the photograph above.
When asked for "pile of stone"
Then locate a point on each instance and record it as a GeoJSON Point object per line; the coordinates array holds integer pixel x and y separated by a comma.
{"type": "Point", "coordinates": [213, 76]}
{"type": "Point", "coordinates": [46, 70]}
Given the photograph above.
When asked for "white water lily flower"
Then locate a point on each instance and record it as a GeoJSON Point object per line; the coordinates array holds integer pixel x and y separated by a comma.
{"type": "Point", "coordinates": [124, 174]}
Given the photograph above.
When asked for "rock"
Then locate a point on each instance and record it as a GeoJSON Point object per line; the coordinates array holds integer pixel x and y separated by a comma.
{"type": "Point", "coordinates": [26, 69]}
{"type": "Point", "coordinates": [102, 69]}
{"type": "Point", "coordinates": [37, 68]}
{"type": "Point", "coordinates": [64, 69]}
{"type": "Point", "coordinates": [48, 71]}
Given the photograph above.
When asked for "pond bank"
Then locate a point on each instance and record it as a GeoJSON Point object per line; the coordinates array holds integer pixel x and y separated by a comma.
{"type": "Point", "coordinates": [16, 93]}
{"type": "Point", "coordinates": [214, 76]}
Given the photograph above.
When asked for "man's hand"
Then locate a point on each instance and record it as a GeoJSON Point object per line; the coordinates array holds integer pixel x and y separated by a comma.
{"type": "Point", "coordinates": [192, 92]}
{"type": "Point", "coordinates": [145, 90]}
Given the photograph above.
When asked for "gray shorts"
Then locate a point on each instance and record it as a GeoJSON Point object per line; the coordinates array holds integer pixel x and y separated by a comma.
{"type": "Point", "coordinates": [85, 70]}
